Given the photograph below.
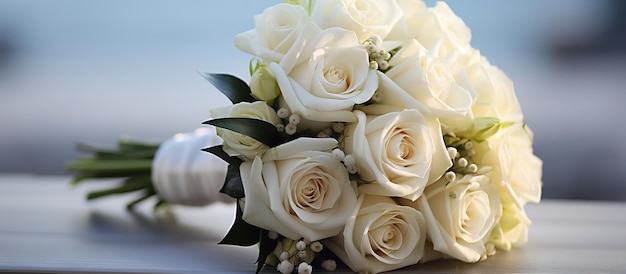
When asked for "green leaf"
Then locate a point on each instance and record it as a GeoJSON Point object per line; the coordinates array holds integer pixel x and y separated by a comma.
{"type": "Point", "coordinates": [95, 165]}
{"type": "Point", "coordinates": [233, 186]}
{"type": "Point", "coordinates": [126, 144]}
{"type": "Point", "coordinates": [85, 176]}
{"type": "Point", "coordinates": [266, 246]}
{"type": "Point", "coordinates": [219, 152]}
{"type": "Point", "coordinates": [354, 177]}
{"type": "Point", "coordinates": [241, 233]}
{"type": "Point", "coordinates": [130, 185]}
{"type": "Point", "coordinates": [234, 88]}
{"type": "Point", "coordinates": [260, 130]}
{"type": "Point", "coordinates": [149, 193]}
{"type": "Point", "coordinates": [120, 153]}
{"type": "Point", "coordinates": [160, 204]}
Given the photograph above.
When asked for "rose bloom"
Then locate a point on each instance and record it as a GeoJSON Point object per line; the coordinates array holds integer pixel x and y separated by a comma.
{"type": "Point", "coordinates": [434, 83]}
{"type": "Point", "coordinates": [184, 175]}
{"type": "Point", "coordinates": [460, 215]}
{"type": "Point", "coordinates": [436, 25]}
{"type": "Point", "coordinates": [364, 17]}
{"type": "Point", "coordinates": [413, 11]}
{"type": "Point", "coordinates": [495, 94]}
{"type": "Point", "coordinates": [399, 153]}
{"type": "Point", "coordinates": [239, 145]}
{"type": "Point", "coordinates": [277, 30]}
{"type": "Point", "coordinates": [512, 230]}
{"type": "Point", "coordinates": [515, 169]}
{"type": "Point", "coordinates": [380, 236]}
{"type": "Point", "coordinates": [326, 76]}
{"type": "Point", "coordinates": [298, 190]}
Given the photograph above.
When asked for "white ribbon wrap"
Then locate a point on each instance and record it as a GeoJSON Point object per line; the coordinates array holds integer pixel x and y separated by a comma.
{"type": "Point", "coordinates": [183, 174]}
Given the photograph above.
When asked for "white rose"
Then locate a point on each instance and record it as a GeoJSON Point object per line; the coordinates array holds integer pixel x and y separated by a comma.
{"type": "Point", "coordinates": [239, 145]}
{"type": "Point", "coordinates": [515, 169]}
{"type": "Point", "coordinates": [364, 17]}
{"type": "Point", "coordinates": [326, 77]}
{"type": "Point", "coordinates": [439, 25]}
{"type": "Point", "coordinates": [277, 30]}
{"type": "Point", "coordinates": [431, 81]}
{"type": "Point", "coordinates": [512, 230]}
{"type": "Point", "coordinates": [298, 190]}
{"type": "Point", "coordinates": [380, 236]}
{"type": "Point", "coordinates": [184, 175]}
{"type": "Point", "coordinates": [412, 10]}
{"type": "Point", "coordinates": [400, 153]}
{"type": "Point", "coordinates": [495, 92]}
{"type": "Point", "coordinates": [461, 215]}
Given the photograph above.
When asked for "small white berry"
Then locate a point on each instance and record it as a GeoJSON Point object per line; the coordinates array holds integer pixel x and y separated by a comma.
{"type": "Point", "coordinates": [452, 152]}
{"type": "Point", "coordinates": [462, 162]}
{"type": "Point", "coordinates": [373, 65]}
{"type": "Point", "coordinates": [329, 265]}
{"type": "Point", "coordinates": [291, 129]}
{"type": "Point", "coordinates": [272, 235]}
{"type": "Point", "coordinates": [352, 169]}
{"type": "Point", "coordinates": [301, 245]}
{"type": "Point", "coordinates": [349, 160]}
{"type": "Point", "coordinates": [304, 268]}
{"type": "Point", "coordinates": [338, 154]}
{"type": "Point", "coordinates": [280, 128]}
{"type": "Point", "coordinates": [450, 176]}
{"type": "Point", "coordinates": [322, 135]}
{"type": "Point", "coordinates": [302, 254]}
{"type": "Point", "coordinates": [294, 119]}
{"type": "Point", "coordinates": [317, 246]}
{"type": "Point", "coordinates": [338, 127]}
{"type": "Point", "coordinates": [472, 168]}
{"type": "Point", "coordinates": [283, 113]}
{"type": "Point", "coordinates": [376, 40]}
{"type": "Point", "coordinates": [285, 267]}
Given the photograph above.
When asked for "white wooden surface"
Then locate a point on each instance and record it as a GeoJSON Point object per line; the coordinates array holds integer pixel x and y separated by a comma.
{"type": "Point", "coordinates": [46, 226]}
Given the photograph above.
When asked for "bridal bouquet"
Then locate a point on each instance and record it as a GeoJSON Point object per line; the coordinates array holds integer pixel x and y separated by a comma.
{"type": "Point", "coordinates": [370, 129]}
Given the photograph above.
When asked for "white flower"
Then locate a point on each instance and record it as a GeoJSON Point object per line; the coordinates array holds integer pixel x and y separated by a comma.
{"type": "Point", "coordinates": [183, 174]}
{"type": "Point", "coordinates": [512, 230]}
{"type": "Point", "coordinates": [515, 169]}
{"type": "Point", "coordinates": [432, 82]}
{"type": "Point", "coordinates": [400, 153]}
{"type": "Point", "coordinates": [461, 215]}
{"type": "Point", "coordinates": [495, 92]}
{"type": "Point", "coordinates": [412, 11]}
{"type": "Point", "coordinates": [324, 78]}
{"type": "Point", "coordinates": [364, 17]}
{"type": "Point", "coordinates": [236, 144]}
{"type": "Point", "coordinates": [436, 25]}
{"type": "Point", "coordinates": [277, 30]}
{"type": "Point", "coordinates": [298, 190]}
{"type": "Point", "coordinates": [380, 236]}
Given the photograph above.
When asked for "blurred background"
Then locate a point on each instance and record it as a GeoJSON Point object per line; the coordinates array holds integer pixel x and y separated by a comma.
{"type": "Point", "coordinates": [93, 71]}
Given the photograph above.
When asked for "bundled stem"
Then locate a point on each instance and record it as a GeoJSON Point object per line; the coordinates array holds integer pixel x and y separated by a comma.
{"type": "Point", "coordinates": [130, 161]}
